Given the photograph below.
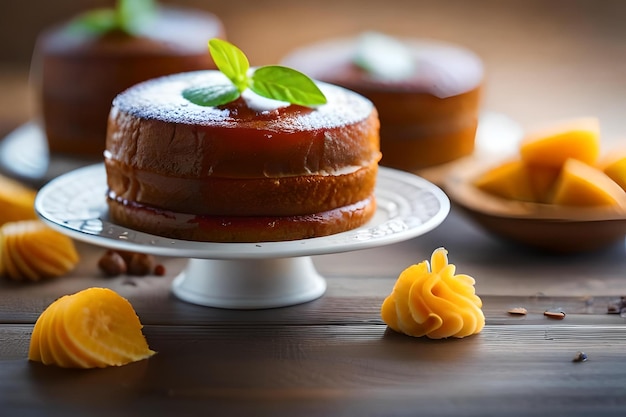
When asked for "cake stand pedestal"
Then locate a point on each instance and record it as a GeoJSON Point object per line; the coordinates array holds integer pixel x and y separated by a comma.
{"type": "Point", "coordinates": [243, 275]}
{"type": "Point", "coordinates": [249, 283]}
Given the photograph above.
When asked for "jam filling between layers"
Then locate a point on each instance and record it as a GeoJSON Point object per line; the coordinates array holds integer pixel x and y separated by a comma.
{"type": "Point", "coordinates": [243, 229]}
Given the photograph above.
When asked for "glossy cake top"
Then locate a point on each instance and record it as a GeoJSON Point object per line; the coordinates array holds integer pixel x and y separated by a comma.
{"type": "Point", "coordinates": [153, 127]}
{"type": "Point", "coordinates": [162, 99]}
{"type": "Point", "coordinates": [441, 69]}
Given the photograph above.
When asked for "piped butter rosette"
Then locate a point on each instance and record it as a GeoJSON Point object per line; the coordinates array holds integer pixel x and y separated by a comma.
{"type": "Point", "coordinates": [31, 251]}
{"type": "Point", "coordinates": [430, 299]}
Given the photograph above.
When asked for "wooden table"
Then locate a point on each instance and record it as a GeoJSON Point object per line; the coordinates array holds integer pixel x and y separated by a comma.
{"type": "Point", "coordinates": [334, 356]}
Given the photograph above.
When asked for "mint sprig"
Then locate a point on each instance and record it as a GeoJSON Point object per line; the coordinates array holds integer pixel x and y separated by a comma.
{"type": "Point", "coordinates": [271, 81]}
{"type": "Point", "coordinates": [384, 57]}
{"type": "Point", "coordinates": [128, 16]}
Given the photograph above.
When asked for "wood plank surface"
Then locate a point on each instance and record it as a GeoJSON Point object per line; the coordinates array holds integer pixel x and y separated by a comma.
{"type": "Point", "coordinates": [322, 370]}
{"type": "Point", "coordinates": [334, 356]}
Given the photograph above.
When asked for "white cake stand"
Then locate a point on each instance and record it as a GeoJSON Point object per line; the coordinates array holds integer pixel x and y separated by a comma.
{"type": "Point", "coordinates": [243, 275]}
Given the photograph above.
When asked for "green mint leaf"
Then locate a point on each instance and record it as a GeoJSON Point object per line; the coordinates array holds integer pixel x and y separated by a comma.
{"type": "Point", "coordinates": [214, 95]}
{"type": "Point", "coordinates": [286, 84]}
{"type": "Point", "coordinates": [131, 15]}
{"type": "Point", "coordinates": [384, 56]}
{"type": "Point", "coordinates": [231, 61]}
{"type": "Point", "coordinates": [271, 81]}
{"type": "Point", "coordinates": [95, 21]}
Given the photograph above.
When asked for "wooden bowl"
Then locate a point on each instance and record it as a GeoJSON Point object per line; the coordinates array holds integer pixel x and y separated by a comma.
{"type": "Point", "coordinates": [553, 228]}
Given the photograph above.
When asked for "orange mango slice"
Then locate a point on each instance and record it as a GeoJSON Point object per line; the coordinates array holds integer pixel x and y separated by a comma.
{"type": "Point", "coordinates": [552, 146]}
{"type": "Point", "coordinates": [559, 165]}
{"type": "Point", "coordinates": [581, 184]}
{"type": "Point", "coordinates": [542, 180]}
{"type": "Point", "coordinates": [615, 168]}
{"type": "Point", "coordinates": [48, 342]}
{"type": "Point", "coordinates": [509, 180]}
{"type": "Point", "coordinates": [16, 201]}
{"type": "Point", "coordinates": [93, 328]}
{"type": "Point", "coordinates": [30, 250]}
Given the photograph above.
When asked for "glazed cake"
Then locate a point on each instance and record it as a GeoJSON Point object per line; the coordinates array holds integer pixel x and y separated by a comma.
{"type": "Point", "coordinates": [77, 73]}
{"type": "Point", "coordinates": [251, 170]}
{"type": "Point", "coordinates": [428, 114]}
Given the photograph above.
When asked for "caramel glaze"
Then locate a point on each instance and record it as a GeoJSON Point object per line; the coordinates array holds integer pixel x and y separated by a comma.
{"type": "Point", "coordinates": [250, 162]}
{"type": "Point", "coordinates": [77, 73]}
{"type": "Point", "coordinates": [427, 118]}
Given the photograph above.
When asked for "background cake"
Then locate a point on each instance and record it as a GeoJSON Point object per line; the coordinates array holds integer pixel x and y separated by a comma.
{"type": "Point", "coordinates": [251, 170]}
{"type": "Point", "coordinates": [427, 92]}
{"type": "Point", "coordinates": [78, 71]}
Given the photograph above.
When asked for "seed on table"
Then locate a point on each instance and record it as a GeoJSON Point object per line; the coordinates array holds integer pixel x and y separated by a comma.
{"type": "Point", "coordinates": [140, 264]}
{"type": "Point", "coordinates": [159, 270]}
{"type": "Point", "coordinates": [518, 311]}
{"type": "Point", "coordinates": [617, 307]}
{"type": "Point", "coordinates": [112, 264]}
{"type": "Point", "coordinates": [557, 315]}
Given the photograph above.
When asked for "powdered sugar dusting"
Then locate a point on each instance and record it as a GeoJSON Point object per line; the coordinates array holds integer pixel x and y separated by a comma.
{"type": "Point", "coordinates": [162, 99]}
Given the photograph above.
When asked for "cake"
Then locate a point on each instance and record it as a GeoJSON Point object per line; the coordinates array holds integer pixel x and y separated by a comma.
{"type": "Point", "coordinates": [427, 92]}
{"type": "Point", "coordinates": [77, 72]}
{"type": "Point", "coordinates": [250, 170]}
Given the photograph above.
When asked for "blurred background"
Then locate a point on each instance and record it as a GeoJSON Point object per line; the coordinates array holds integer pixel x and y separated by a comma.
{"type": "Point", "coordinates": [545, 59]}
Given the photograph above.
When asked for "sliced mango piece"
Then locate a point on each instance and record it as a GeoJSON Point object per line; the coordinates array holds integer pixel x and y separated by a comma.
{"type": "Point", "coordinates": [552, 146]}
{"type": "Point", "coordinates": [542, 180]}
{"type": "Point", "coordinates": [49, 345]}
{"type": "Point", "coordinates": [17, 201]}
{"type": "Point", "coordinates": [66, 353]}
{"type": "Point", "coordinates": [581, 184]}
{"type": "Point", "coordinates": [93, 328]}
{"type": "Point", "coordinates": [43, 323]}
{"type": "Point", "coordinates": [509, 180]}
{"type": "Point", "coordinates": [615, 167]}
{"type": "Point", "coordinates": [30, 250]}
{"type": "Point", "coordinates": [34, 350]}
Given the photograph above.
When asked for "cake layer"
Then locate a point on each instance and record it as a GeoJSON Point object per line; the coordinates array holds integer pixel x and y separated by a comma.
{"type": "Point", "coordinates": [417, 148]}
{"type": "Point", "coordinates": [284, 196]}
{"type": "Point", "coordinates": [231, 229]}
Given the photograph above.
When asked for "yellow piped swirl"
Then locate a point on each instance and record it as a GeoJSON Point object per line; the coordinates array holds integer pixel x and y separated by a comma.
{"type": "Point", "coordinates": [431, 300]}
